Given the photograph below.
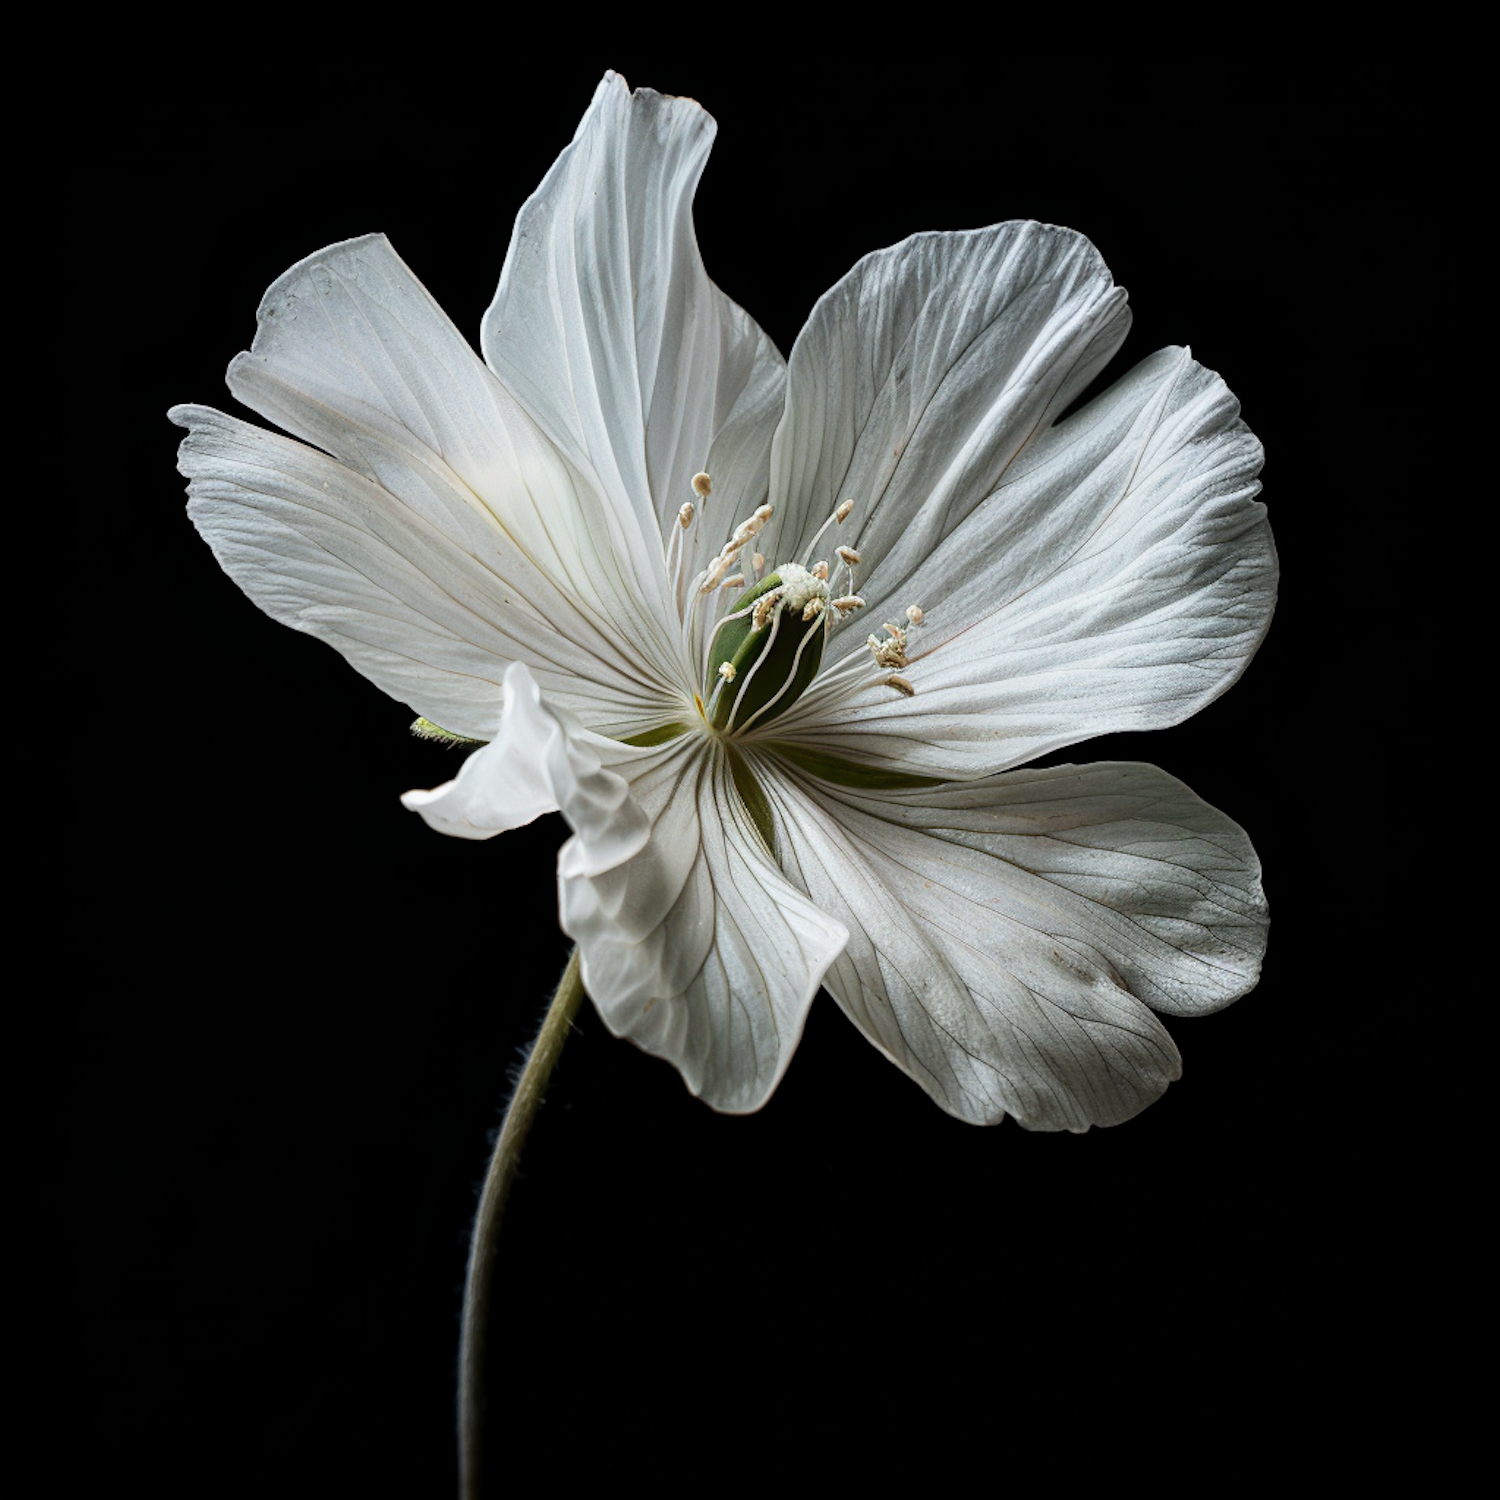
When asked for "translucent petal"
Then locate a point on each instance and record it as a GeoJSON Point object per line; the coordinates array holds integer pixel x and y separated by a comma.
{"type": "Point", "coordinates": [1007, 936]}
{"type": "Point", "coordinates": [1120, 577]}
{"type": "Point", "coordinates": [607, 328]}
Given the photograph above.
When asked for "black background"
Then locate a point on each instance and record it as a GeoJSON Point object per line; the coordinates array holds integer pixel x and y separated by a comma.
{"type": "Point", "coordinates": [319, 1000]}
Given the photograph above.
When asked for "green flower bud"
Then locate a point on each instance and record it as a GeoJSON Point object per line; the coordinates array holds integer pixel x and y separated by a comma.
{"type": "Point", "coordinates": [762, 662]}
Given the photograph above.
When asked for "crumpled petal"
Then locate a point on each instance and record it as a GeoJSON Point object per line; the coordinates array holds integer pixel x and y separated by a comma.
{"type": "Point", "coordinates": [508, 783]}
{"type": "Point", "coordinates": [919, 377]}
{"type": "Point", "coordinates": [692, 943]}
{"type": "Point", "coordinates": [1120, 577]}
{"type": "Point", "coordinates": [1007, 936]}
{"type": "Point", "coordinates": [608, 330]}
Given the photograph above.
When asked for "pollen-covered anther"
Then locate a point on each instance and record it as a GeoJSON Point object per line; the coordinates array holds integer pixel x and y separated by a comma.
{"type": "Point", "coordinates": [702, 484]}
{"type": "Point", "coordinates": [735, 581]}
{"type": "Point", "coordinates": [726, 671]}
{"type": "Point", "coordinates": [896, 631]}
{"type": "Point", "coordinates": [849, 555]}
{"type": "Point", "coordinates": [685, 514]}
{"type": "Point", "coordinates": [901, 685]}
{"type": "Point", "coordinates": [891, 652]}
{"type": "Point", "coordinates": [758, 562]}
{"type": "Point", "coordinates": [763, 607]}
{"type": "Point", "coordinates": [847, 603]}
{"type": "Point", "coordinates": [914, 613]}
{"type": "Point", "coordinates": [820, 571]}
{"type": "Point", "coordinates": [764, 514]}
{"type": "Point", "coordinates": [715, 573]}
{"type": "Point", "coordinates": [813, 608]}
{"type": "Point", "coordinates": [842, 513]}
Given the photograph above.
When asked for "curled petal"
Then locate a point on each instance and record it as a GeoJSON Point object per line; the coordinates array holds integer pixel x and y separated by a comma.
{"type": "Point", "coordinates": [692, 942]}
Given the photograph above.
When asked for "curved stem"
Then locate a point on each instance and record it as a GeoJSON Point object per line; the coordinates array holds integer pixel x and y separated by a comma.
{"type": "Point", "coordinates": [513, 1132]}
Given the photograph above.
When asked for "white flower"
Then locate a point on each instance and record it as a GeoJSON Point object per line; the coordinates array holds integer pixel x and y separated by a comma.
{"type": "Point", "coordinates": [538, 551]}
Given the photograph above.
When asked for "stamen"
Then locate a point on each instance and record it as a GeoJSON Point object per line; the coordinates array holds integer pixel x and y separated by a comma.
{"type": "Point", "coordinates": [820, 570]}
{"type": "Point", "coordinates": [914, 614]}
{"type": "Point", "coordinates": [838, 516]}
{"type": "Point", "coordinates": [813, 608]}
{"type": "Point", "coordinates": [735, 582]}
{"type": "Point", "coordinates": [848, 602]}
{"type": "Point", "coordinates": [764, 514]}
{"type": "Point", "coordinates": [764, 605]}
{"type": "Point", "coordinates": [849, 555]}
{"type": "Point", "coordinates": [791, 677]}
{"type": "Point", "coordinates": [702, 484]}
{"type": "Point", "coordinates": [891, 653]}
{"type": "Point", "coordinates": [726, 671]}
{"type": "Point", "coordinates": [685, 514]}
{"type": "Point", "coordinates": [713, 635]}
{"type": "Point", "coordinates": [760, 661]}
{"type": "Point", "coordinates": [901, 685]}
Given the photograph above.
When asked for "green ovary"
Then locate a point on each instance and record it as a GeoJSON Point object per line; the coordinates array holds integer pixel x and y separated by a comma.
{"type": "Point", "coordinates": [776, 661]}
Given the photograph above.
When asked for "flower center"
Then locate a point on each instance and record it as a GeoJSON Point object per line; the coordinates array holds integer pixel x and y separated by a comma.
{"type": "Point", "coordinates": [764, 652]}
{"type": "Point", "coordinates": [767, 649]}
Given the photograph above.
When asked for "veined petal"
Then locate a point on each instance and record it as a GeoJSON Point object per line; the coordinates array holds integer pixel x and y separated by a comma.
{"type": "Point", "coordinates": [1007, 936]}
{"type": "Point", "coordinates": [607, 328]}
{"type": "Point", "coordinates": [353, 355]}
{"type": "Point", "coordinates": [698, 949]}
{"type": "Point", "coordinates": [335, 555]}
{"type": "Point", "coordinates": [920, 376]}
{"type": "Point", "coordinates": [1120, 577]}
{"type": "Point", "coordinates": [692, 943]}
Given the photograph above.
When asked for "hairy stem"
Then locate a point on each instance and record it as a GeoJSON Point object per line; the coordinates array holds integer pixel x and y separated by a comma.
{"type": "Point", "coordinates": [513, 1132]}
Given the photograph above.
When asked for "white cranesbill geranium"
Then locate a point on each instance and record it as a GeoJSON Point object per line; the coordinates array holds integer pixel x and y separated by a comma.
{"type": "Point", "coordinates": [773, 635]}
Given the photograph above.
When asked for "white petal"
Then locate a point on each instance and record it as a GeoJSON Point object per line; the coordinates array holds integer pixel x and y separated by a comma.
{"type": "Point", "coordinates": [607, 328]}
{"type": "Point", "coordinates": [507, 783]}
{"type": "Point", "coordinates": [333, 554]}
{"type": "Point", "coordinates": [919, 377]}
{"type": "Point", "coordinates": [352, 354]}
{"type": "Point", "coordinates": [698, 949]}
{"type": "Point", "coordinates": [692, 943]}
{"type": "Point", "coordinates": [1006, 937]}
{"type": "Point", "coordinates": [1120, 577]}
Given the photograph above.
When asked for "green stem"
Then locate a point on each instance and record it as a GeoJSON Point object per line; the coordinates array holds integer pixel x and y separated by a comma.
{"type": "Point", "coordinates": [476, 1316]}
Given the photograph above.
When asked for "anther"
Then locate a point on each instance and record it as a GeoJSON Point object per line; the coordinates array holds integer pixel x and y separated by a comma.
{"type": "Point", "coordinates": [914, 614]}
{"type": "Point", "coordinates": [820, 570]}
{"type": "Point", "coordinates": [736, 582]}
{"type": "Point", "coordinates": [889, 653]}
{"type": "Point", "coordinates": [758, 561]}
{"type": "Point", "coordinates": [685, 515]}
{"type": "Point", "coordinates": [763, 607]}
{"type": "Point", "coordinates": [726, 670]}
{"type": "Point", "coordinates": [764, 514]}
{"type": "Point", "coordinates": [848, 602]}
{"type": "Point", "coordinates": [842, 513]}
{"type": "Point", "coordinates": [901, 685]}
{"type": "Point", "coordinates": [701, 484]}
{"type": "Point", "coordinates": [849, 555]}
{"type": "Point", "coordinates": [813, 608]}
{"type": "Point", "coordinates": [896, 631]}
